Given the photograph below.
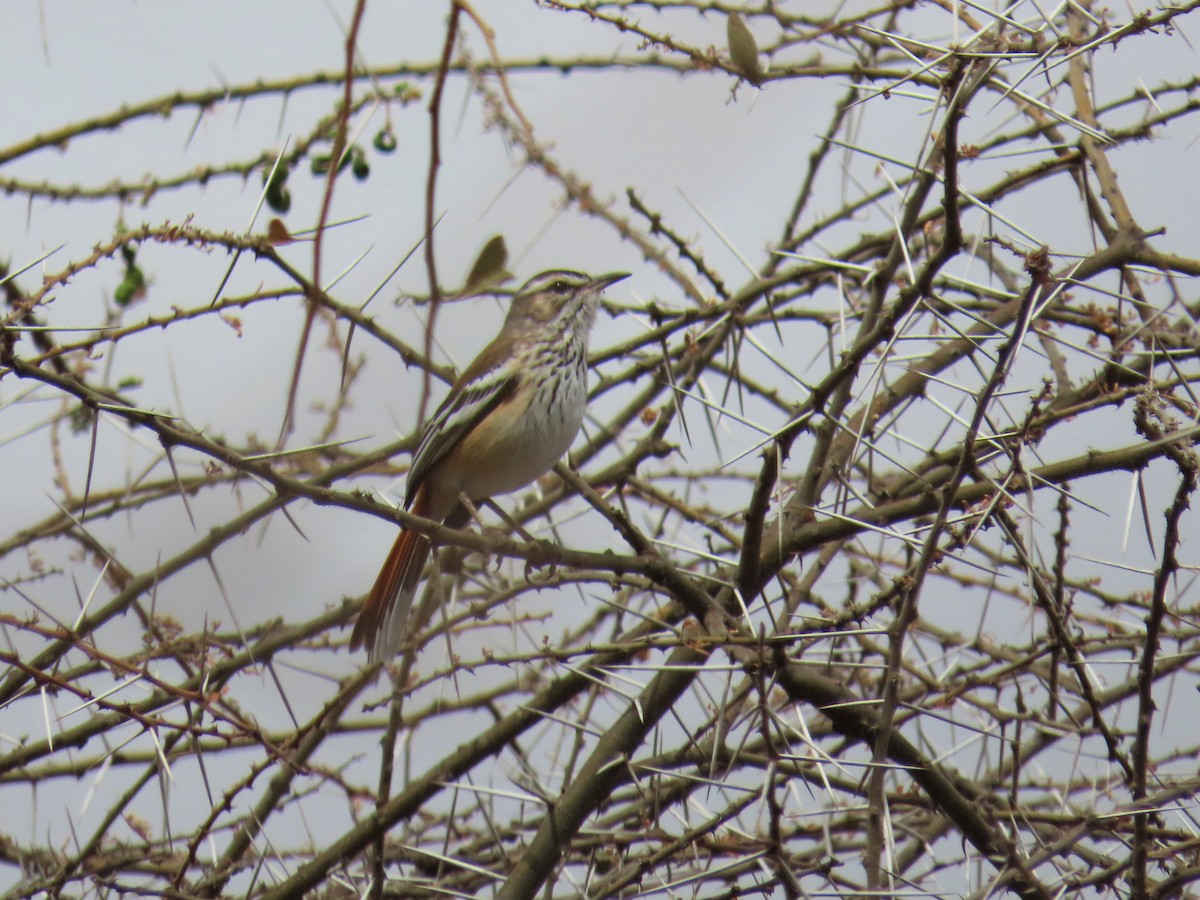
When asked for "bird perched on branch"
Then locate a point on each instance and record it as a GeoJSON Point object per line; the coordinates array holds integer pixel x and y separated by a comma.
{"type": "Point", "coordinates": [508, 419]}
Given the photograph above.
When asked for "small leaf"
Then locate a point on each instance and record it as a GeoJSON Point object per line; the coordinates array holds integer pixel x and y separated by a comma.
{"type": "Point", "coordinates": [489, 265]}
{"type": "Point", "coordinates": [132, 287]}
{"type": "Point", "coordinates": [278, 197]}
{"type": "Point", "coordinates": [280, 202]}
{"type": "Point", "coordinates": [743, 49]}
{"type": "Point", "coordinates": [81, 419]}
{"type": "Point", "coordinates": [359, 167]}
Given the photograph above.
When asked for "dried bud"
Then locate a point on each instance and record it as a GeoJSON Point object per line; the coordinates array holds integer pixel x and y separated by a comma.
{"type": "Point", "coordinates": [277, 234]}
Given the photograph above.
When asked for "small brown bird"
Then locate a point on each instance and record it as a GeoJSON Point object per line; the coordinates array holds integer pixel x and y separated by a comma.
{"type": "Point", "coordinates": [508, 419]}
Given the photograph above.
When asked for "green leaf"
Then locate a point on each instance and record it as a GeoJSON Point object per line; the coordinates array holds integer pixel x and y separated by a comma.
{"type": "Point", "coordinates": [743, 49]}
{"type": "Point", "coordinates": [278, 197]}
{"type": "Point", "coordinates": [359, 167]}
{"type": "Point", "coordinates": [132, 286]}
{"type": "Point", "coordinates": [489, 265]}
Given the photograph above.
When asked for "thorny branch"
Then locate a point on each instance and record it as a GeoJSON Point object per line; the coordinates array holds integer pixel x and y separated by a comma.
{"type": "Point", "coordinates": [804, 613]}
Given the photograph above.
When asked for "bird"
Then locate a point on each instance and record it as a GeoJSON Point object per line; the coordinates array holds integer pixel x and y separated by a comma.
{"type": "Point", "coordinates": [509, 417]}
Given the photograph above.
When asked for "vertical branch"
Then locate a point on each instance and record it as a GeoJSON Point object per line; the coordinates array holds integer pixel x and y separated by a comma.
{"type": "Point", "coordinates": [603, 770]}
{"type": "Point", "coordinates": [435, 162]}
{"type": "Point", "coordinates": [1061, 542]}
{"type": "Point", "coordinates": [335, 159]}
{"type": "Point", "coordinates": [906, 612]}
{"type": "Point", "coordinates": [1186, 460]}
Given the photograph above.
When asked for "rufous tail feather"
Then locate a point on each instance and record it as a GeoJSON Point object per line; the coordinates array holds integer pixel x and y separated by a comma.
{"type": "Point", "coordinates": [384, 614]}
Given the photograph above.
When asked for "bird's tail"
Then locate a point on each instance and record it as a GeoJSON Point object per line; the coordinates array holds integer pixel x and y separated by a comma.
{"type": "Point", "coordinates": [381, 622]}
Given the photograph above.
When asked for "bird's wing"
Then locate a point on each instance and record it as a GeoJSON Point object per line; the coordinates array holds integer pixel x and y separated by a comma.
{"type": "Point", "coordinates": [480, 389]}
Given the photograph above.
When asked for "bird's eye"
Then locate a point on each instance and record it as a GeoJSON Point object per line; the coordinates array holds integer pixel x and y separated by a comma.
{"type": "Point", "coordinates": [560, 287]}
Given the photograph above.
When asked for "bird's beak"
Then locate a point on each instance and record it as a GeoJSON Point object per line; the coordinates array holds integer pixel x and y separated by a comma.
{"type": "Point", "coordinates": [600, 282]}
